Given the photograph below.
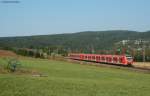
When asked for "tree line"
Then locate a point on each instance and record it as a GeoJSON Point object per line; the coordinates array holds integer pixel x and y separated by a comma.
{"type": "Point", "coordinates": [96, 42]}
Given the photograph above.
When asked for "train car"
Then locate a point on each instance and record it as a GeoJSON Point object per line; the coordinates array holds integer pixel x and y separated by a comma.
{"type": "Point", "coordinates": [111, 59]}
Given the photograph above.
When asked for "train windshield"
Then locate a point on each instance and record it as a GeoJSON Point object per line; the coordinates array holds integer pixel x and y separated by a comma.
{"type": "Point", "coordinates": [129, 58]}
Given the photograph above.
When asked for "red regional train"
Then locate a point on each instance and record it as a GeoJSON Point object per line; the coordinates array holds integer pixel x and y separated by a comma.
{"type": "Point", "coordinates": [110, 59]}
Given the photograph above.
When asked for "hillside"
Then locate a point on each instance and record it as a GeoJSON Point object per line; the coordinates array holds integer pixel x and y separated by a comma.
{"type": "Point", "coordinates": [75, 41]}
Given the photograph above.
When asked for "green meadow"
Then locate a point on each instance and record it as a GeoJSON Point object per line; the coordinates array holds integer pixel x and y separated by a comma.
{"type": "Point", "coordinates": [68, 79]}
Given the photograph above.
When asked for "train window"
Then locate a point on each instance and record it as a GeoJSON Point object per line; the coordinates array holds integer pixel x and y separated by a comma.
{"type": "Point", "coordinates": [103, 58]}
{"type": "Point", "coordinates": [120, 59]}
{"type": "Point", "coordinates": [107, 58]}
{"type": "Point", "coordinates": [129, 58]}
{"type": "Point", "coordinates": [97, 58]}
{"type": "Point", "coordinates": [115, 59]}
{"type": "Point", "coordinates": [93, 57]}
{"type": "Point", "coordinates": [110, 59]}
{"type": "Point", "coordinates": [86, 57]}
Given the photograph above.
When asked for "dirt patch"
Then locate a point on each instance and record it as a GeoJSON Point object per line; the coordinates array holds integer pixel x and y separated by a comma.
{"type": "Point", "coordinates": [21, 71]}
{"type": "Point", "coordinates": [32, 72]}
{"type": "Point", "coordinates": [5, 53]}
{"type": "Point", "coordinates": [3, 71]}
{"type": "Point", "coordinates": [142, 64]}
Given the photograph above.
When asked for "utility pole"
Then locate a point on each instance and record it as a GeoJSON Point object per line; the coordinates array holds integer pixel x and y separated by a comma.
{"type": "Point", "coordinates": [143, 49]}
{"type": "Point", "coordinates": [143, 53]}
{"type": "Point", "coordinates": [92, 49]}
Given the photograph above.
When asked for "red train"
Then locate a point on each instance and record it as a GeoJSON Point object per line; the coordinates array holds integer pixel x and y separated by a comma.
{"type": "Point", "coordinates": [111, 59]}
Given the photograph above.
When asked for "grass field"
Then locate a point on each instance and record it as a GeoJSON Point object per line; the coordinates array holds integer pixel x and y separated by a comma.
{"type": "Point", "coordinates": [67, 79]}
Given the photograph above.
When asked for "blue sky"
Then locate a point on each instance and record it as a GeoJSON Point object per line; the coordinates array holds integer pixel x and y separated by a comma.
{"type": "Point", "coordinates": [34, 17]}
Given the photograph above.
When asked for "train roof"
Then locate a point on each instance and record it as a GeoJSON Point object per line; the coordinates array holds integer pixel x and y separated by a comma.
{"type": "Point", "coordinates": [99, 54]}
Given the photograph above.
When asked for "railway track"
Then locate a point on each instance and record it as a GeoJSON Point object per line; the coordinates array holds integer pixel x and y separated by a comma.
{"type": "Point", "coordinates": [130, 68]}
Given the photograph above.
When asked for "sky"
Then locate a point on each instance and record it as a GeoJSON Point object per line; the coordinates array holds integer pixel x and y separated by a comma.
{"type": "Point", "coordinates": [39, 17]}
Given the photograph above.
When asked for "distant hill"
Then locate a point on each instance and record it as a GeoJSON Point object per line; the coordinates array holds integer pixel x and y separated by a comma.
{"type": "Point", "coordinates": [87, 40]}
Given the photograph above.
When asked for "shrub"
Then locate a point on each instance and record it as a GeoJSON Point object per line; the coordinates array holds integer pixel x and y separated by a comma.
{"type": "Point", "coordinates": [13, 64]}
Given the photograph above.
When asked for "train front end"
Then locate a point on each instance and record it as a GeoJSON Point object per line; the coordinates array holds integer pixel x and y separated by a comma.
{"type": "Point", "coordinates": [129, 60]}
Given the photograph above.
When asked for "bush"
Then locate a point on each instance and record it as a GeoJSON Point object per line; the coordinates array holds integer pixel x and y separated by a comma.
{"type": "Point", "coordinates": [13, 64]}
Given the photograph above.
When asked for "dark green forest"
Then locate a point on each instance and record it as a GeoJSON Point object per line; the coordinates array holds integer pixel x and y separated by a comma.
{"type": "Point", "coordinates": [85, 42]}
